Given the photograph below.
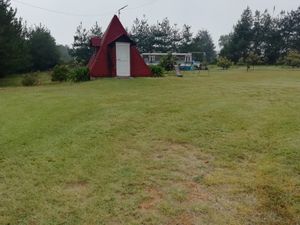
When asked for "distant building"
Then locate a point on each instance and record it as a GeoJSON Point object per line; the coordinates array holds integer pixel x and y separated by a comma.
{"type": "Point", "coordinates": [184, 60]}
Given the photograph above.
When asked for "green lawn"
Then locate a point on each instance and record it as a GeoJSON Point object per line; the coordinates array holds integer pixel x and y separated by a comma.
{"type": "Point", "coordinates": [220, 148]}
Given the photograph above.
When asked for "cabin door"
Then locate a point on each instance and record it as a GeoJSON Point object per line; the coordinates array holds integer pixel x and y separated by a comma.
{"type": "Point", "coordinates": [123, 59]}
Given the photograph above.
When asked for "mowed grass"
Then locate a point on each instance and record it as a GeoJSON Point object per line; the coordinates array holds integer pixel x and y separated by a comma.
{"type": "Point", "coordinates": [218, 148]}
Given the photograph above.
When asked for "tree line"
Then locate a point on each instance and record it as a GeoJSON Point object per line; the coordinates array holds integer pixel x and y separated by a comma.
{"type": "Point", "coordinates": [267, 39]}
{"type": "Point", "coordinates": [165, 37]}
{"type": "Point", "coordinates": [24, 49]}
{"type": "Point", "coordinates": [159, 37]}
{"type": "Point", "coordinates": [257, 37]}
{"type": "Point", "coordinates": [27, 49]}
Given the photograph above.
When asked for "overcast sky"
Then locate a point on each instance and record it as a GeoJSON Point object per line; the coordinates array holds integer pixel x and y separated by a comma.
{"type": "Point", "coordinates": [217, 16]}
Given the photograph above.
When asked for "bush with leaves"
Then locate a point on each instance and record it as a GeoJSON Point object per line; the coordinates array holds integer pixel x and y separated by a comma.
{"type": "Point", "coordinates": [30, 79]}
{"type": "Point", "coordinates": [293, 59]}
{"type": "Point", "coordinates": [79, 74]}
{"type": "Point", "coordinates": [60, 73]}
{"type": "Point", "coordinates": [253, 59]}
{"type": "Point", "coordinates": [157, 71]}
{"type": "Point", "coordinates": [167, 62]}
{"type": "Point", "coordinates": [224, 63]}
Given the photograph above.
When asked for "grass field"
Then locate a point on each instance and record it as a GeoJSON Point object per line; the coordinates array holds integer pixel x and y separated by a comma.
{"type": "Point", "coordinates": [219, 148]}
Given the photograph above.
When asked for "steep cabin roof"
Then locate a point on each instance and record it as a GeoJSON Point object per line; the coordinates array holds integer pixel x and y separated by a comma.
{"type": "Point", "coordinates": [114, 31]}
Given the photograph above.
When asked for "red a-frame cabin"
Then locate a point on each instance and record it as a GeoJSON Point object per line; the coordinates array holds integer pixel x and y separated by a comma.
{"type": "Point", "coordinates": [116, 54]}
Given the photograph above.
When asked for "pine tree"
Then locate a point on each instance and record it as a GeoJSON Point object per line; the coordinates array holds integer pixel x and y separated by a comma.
{"type": "Point", "coordinates": [95, 30]}
{"type": "Point", "coordinates": [204, 44]}
{"type": "Point", "coordinates": [187, 38]}
{"type": "Point", "coordinates": [13, 53]}
{"type": "Point", "coordinates": [81, 50]}
{"type": "Point", "coordinates": [257, 31]}
{"type": "Point", "coordinates": [242, 36]}
{"type": "Point", "coordinates": [80, 47]}
{"type": "Point", "coordinates": [142, 35]}
{"type": "Point", "coordinates": [291, 30]}
{"type": "Point", "coordinates": [163, 36]}
{"type": "Point", "coordinates": [176, 38]}
{"type": "Point", "coordinates": [271, 39]}
{"type": "Point", "coordinates": [42, 48]}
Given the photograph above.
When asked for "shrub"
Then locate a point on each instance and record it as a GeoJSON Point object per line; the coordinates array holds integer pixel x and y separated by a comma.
{"type": "Point", "coordinates": [79, 74]}
{"type": "Point", "coordinates": [30, 80]}
{"type": "Point", "coordinates": [293, 59]}
{"type": "Point", "coordinates": [253, 59]}
{"type": "Point", "coordinates": [224, 63]}
{"type": "Point", "coordinates": [60, 73]}
{"type": "Point", "coordinates": [167, 62]}
{"type": "Point", "coordinates": [157, 71]}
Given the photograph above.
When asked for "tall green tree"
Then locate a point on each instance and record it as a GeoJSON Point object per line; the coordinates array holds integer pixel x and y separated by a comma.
{"type": "Point", "coordinates": [272, 44]}
{"type": "Point", "coordinates": [257, 33]}
{"type": "Point", "coordinates": [162, 33]}
{"type": "Point", "coordinates": [186, 39]}
{"type": "Point", "coordinates": [295, 27]}
{"type": "Point", "coordinates": [13, 52]}
{"type": "Point", "coordinates": [224, 40]}
{"type": "Point", "coordinates": [203, 43]}
{"type": "Point", "coordinates": [95, 30]}
{"type": "Point", "coordinates": [142, 35]}
{"type": "Point", "coordinates": [242, 36]}
{"type": "Point", "coordinates": [290, 26]}
{"type": "Point", "coordinates": [81, 50]}
{"type": "Point", "coordinates": [225, 45]}
{"type": "Point", "coordinates": [271, 38]}
{"type": "Point", "coordinates": [176, 38]}
{"type": "Point", "coordinates": [42, 48]}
